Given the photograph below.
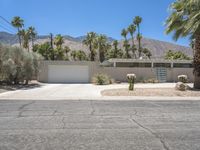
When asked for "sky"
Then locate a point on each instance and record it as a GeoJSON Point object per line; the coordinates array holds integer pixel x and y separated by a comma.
{"type": "Point", "coordinates": [77, 17]}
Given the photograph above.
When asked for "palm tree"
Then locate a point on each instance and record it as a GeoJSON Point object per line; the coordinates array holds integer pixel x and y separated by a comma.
{"type": "Point", "coordinates": [32, 34]}
{"type": "Point", "coordinates": [126, 46]}
{"type": "Point", "coordinates": [124, 33]}
{"type": "Point", "coordinates": [90, 41]}
{"type": "Point", "coordinates": [25, 37]}
{"type": "Point", "coordinates": [18, 23]}
{"type": "Point", "coordinates": [183, 21]}
{"type": "Point", "coordinates": [101, 43]}
{"type": "Point", "coordinates": [131, 30]}
{"type": "Point", "coordinates": [58, 41]}
{"type": "Point", "coordinates": [73, 55]}
{"type": "Point", "coordinates": [137, 21]}
{"type": "Point", "coordinates": [115, 45]}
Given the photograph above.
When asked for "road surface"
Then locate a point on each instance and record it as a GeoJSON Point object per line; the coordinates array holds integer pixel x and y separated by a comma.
{"type": "Point", "coordinates": [99, 125]}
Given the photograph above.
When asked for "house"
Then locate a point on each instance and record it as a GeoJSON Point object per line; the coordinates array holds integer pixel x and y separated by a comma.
{"type": "Point", "coordinates": [82, 72]}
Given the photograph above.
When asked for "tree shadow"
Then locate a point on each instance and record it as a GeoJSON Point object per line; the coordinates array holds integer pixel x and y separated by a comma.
{"type": "Point", "coordinates": [13, 87]}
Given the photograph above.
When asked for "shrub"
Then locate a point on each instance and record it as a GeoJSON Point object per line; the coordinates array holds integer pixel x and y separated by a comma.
{"type": "Point", "coordinates": [183, 78]}
{"type": "Point", "coordinates": [131, 80]}
{"type": "Point", "coordinates": [181, 86]}
{"type": "Point", "coordinates": [151, 80]}
{"type": "Point", "coordinates": [17, 65]}
{"type": "Point", "coordinates": [102, 79]}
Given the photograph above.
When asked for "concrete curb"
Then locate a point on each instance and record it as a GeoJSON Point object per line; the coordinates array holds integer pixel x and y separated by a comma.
{"type": "Point", "coordinates": [112, 98]}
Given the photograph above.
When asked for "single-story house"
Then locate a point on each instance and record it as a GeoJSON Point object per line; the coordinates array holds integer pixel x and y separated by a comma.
{"type": "Point", "coordinates": [82, 72]}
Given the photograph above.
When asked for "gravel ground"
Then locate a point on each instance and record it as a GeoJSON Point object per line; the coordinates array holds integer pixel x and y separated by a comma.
{"type": "Point", "coordinates": [151, 92]}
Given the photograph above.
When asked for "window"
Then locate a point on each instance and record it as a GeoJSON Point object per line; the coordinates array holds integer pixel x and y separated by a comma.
{"type": "Point", "coordinates": [166, 65]}
{"type": "Point", "coordinates": [129, 64]}
{"type": "Point", "coordinates": [182, 65]}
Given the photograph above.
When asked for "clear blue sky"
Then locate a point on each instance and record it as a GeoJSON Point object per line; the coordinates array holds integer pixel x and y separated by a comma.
{"type": "Point", "coordinates": [77, 17]}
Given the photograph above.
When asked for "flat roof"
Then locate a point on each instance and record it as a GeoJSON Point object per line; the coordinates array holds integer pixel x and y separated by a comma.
{"type": "Point", "coordinates": [147, 61]}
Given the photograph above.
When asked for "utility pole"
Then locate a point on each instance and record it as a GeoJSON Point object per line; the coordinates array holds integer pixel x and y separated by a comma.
{"type": "Point", "coordinates": [51, 40]}
{"type": "Point", "coordinates": [51, 44]}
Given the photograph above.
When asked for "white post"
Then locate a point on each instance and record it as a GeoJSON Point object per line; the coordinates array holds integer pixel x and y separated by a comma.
{"type": "Point", "coordinates": [114, 65]}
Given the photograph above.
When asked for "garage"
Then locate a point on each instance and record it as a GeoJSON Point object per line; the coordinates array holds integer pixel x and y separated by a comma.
{"type": "Point", "coordinates": [68, 74]}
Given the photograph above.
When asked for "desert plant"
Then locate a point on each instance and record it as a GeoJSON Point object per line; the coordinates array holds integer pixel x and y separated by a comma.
{"type": "Point", "coordinates": [101, 79]}
{"type": "Point", "coordinates": [181, 86]}
{"type": "Point", "coordinates": [183, 78]}
{"type": "Point", "coordinates": [131, 80]}
{"type": "Point", "coordinates": [18, 65]}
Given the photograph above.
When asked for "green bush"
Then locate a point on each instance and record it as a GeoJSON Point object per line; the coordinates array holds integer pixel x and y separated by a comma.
{"type": "Point", "coordinates": [17, 65]}
{"type": "Point", "coordinates": [183, 78]}
{"type": "Point", "coordinates": [151, 80]}
{"type": "Point", "coordinates": [131, 80]}
{"type": "Point", "coordinates": [102, 79]}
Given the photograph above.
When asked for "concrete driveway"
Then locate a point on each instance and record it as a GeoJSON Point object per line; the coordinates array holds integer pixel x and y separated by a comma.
{"type": "Point", "coordinates": [75, 91]}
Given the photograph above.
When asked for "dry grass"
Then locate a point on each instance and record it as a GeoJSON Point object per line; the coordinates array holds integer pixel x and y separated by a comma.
{"type": "Point", "coordinates": [151, 92]}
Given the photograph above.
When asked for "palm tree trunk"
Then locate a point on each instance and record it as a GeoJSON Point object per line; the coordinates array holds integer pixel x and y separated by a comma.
{"type": "Point", "coordinates": [19, 37]}
{"type": "Point", "coordinates": [32, 42]}
{"type": "Point", "coordinates": [197, 63]}
{"type": "Point", "coordinates": [133, 46]}
{"type": "Point", "coordinates": [92, 55]}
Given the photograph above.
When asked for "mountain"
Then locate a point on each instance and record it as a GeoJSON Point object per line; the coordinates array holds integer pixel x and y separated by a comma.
{"type": "Point", "coordinates": [157, 48]}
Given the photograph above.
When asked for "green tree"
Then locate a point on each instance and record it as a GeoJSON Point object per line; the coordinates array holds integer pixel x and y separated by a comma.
{"type": "Point", "coordinates": [170, 55]}
{"type": "Point", "coordinates": [147, 52]}
{"type": "Point", "coordinates": [58, 41]}
{"type": "Point", "coordinates": [102, 46]}
{"type": "Point", "coordinates": [32, 34]}
{"type": "Point", "coordinates": [115, 45]}
{"type": "Point", "coordinates": [183, 21]}
{"type": "Point", "coordinates": [45, 50]}
{"type": "Point", "coordinates": [131, 30]}
{"type": "Point", "coordinates": [73, 55]}
{"type": "Point", "coordinates": [25, 37]}
{"type": "Point", "coordinates": [126, 46]}
{"type": "Point", "coordinates": [90, 41]}
{"type": "Point", "coordinates": [18, 23]}
{"type": "Point", "coordinates": [81, 55]}
{"type": "Point", "coordinates": [124, 33]}
{"type": "Point", "coordinates": [137, 21]}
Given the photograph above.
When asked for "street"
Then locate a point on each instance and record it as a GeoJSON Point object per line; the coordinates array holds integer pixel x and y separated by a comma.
{"type": "Point", "coordinates": [99, 125]}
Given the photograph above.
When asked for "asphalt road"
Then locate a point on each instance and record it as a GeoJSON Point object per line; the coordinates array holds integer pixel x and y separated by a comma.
{"type": "Point", "coordinates": [99, 125]}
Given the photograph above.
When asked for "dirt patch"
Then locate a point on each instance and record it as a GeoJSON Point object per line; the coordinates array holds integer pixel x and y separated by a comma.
{"type": "Point", "coordinates": [151, 92]}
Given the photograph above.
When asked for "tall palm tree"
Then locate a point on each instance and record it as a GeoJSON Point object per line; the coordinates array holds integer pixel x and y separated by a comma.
{"type": "Point", "coordinates": [131, 30]}
{"type": "Point", "coordinates": [25, 37]}
{"type": "Point", "coordinates": [32, 34]}
{"type": "Point", "coordinates": [126, 46]}
{"type": "Point", "coordinates": [137, 21]}
{"type": "Point", "coordinates": [90, 41]}
{"type": "Point", "coordinates": [59, 40]}
{"type": "Point", "coordinates": [18, 23]}
{"type": "Point", "coordinates": [101, 43]}
{"type": "Point", "coordinates": [124, 33]}
{"type": "Point", "coordinates": [183, 21]}
{"type": "Point", "coordinates": [115, 45]}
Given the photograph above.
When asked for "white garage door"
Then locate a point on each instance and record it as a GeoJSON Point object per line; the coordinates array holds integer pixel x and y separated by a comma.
{"type": "Point", "coordinates": [68, 74]}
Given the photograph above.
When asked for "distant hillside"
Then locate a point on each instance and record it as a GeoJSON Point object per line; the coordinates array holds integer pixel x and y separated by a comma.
{"type": "Point", "coordinates": [158, 48]}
